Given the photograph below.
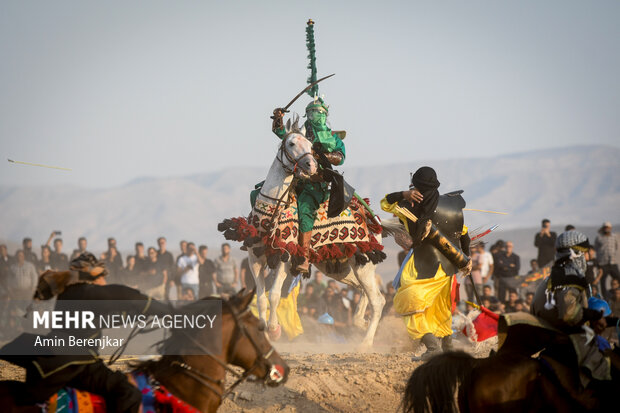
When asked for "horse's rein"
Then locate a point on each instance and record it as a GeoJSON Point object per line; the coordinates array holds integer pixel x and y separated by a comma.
{"type": "Point", "coordinates": [294, 161]}
{"type": "Point", "coordinates": [204, 379]}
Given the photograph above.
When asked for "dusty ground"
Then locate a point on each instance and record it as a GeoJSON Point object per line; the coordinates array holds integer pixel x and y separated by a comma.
{"type": "Point", "coordinates": [327, 376]}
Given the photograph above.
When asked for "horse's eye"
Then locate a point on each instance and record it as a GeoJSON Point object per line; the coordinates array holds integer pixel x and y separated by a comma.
{"type": "Point", "coordinates": [291, 144]}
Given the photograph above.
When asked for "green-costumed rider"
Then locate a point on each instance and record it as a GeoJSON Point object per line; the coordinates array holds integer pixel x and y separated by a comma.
{"type": "Point", "coordinates": [310, 194]}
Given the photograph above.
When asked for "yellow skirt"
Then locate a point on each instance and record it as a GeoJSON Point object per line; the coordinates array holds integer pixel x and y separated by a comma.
{"type": "Point", "coordinates": [425, 304]}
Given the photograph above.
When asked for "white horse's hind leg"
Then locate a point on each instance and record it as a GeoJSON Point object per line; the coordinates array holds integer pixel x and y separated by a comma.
{"type": "Point", "coordinates": [274, 330]}
{"type": "Point", "coordinates": [358, 317]}
{"type": "Point", "coordinates": [366, 276]}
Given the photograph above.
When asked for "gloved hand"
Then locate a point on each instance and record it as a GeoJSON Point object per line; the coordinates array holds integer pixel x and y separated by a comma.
{"type": "Point", "coordinates": [591, 315]}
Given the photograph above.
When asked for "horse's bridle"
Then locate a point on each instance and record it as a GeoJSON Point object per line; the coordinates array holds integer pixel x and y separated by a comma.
{"type": "Point", "coordinates": [283, 152]}
{"type": "Point", "coordinates": [273, 374]}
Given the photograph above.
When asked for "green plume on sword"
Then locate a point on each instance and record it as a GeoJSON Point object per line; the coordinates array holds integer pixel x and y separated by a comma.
{"type": "Point", "coordinates": [314, 90]}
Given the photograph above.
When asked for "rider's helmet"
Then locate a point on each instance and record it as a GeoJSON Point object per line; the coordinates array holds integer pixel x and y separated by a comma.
{"type": "Point", "coordinates": [599, 305]}
{"type": "Point", "coordinates": [88, 267]}
{"type": "Point", "coordinates": [326, 319]}
{"type": "Point", "coordinates": [571, 246]}
{"type": "Point", "coordinates": [318, 104]}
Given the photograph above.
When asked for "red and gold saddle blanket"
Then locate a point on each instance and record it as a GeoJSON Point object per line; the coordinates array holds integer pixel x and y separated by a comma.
{"type": "Point", "coordinates": [154, 399]}
{"type": "Point", "coordinates": [350, 234]}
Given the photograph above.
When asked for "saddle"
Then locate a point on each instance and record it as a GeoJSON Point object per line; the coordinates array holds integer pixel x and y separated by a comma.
{"type": "Point", "coordinates": [274, 233]}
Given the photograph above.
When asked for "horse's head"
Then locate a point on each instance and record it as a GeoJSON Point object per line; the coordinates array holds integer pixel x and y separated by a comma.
{"type": "Point", "coordinates": [249, 347]}
{"type": "Point", "coordinates": [295, 151]}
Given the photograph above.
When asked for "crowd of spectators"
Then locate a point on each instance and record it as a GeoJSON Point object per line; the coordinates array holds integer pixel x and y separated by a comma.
{"type": "Point", "coordinates": [498, 279]}
{"type": "Point", "coordinates": [153, 270]}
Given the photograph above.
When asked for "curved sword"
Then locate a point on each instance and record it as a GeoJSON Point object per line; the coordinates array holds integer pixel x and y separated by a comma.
{"type": "Point", "coordinates": [284, 109]}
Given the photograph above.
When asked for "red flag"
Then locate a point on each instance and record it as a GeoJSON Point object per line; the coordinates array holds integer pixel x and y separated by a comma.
{"type": "Point", "coordinates": [485, 325]}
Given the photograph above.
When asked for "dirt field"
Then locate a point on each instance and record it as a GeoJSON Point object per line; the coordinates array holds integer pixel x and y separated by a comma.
{"type": "Point", "coordinates": [327, 376]}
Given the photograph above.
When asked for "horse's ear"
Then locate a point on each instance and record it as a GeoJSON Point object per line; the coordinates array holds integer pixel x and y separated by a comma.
{"type": "Point", "coordinates": [245, 298]}
{"type": "Point", "coordinates": [303, 130]}
{"type": "Point", "coordinates": [288, 125]}
{"type": "Point", "coordinates": [295, 123]}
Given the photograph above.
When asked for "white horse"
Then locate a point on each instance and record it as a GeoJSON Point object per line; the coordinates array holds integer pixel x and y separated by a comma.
{"type": "Point", "coordinates": [295, 158]}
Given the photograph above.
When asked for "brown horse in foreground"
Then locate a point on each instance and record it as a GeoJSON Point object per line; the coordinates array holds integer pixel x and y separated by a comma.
{"type": "Point", "coordinates": [199, 380]}
{"type": "Point", "coordinates": [455, 381]}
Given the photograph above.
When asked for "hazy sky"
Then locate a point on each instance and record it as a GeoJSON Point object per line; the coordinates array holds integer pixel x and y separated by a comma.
{"type": "Point", "coordinates": [117, 90]}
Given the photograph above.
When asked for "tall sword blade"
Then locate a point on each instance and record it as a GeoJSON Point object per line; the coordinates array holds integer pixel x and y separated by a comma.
{"type": "Point", "coordinates": [305, 90]}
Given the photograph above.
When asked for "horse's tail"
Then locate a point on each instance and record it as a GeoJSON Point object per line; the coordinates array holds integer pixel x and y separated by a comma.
{"type": "Point", "coordinates": [432, 386]}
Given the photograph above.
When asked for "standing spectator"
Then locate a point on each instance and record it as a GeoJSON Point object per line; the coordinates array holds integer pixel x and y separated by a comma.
{"type": "Point", "coordinates": [5, 261]}
{"type": "Point", "coordinates": [5, 293]}
{"type": "Point", "coordinates": [487, 265]}
{"type": "Point", "coordinates": [593, 270]}
{"type": "Point", "coordinates": [206, 273]}
{"type": "Point", "coordinates": [226, 269]}
{"type": "Point", "coordinates": [511, 304]}
{"type": "Point", "coordinates": [166, 260]}
{"type": "Point", "coordinates": [46, 260]}
{"type": "Point", "coordinates": [606, 245]}
{"type": "Point", "coordinates": [188, 268]}
{"type": "Point", "coordinates": [28, 253]}
{"type": "Point", "coordinates": [308, 301]}
{"type": "Point", "coordinates": [130, 275]}
{"type": "Point", "coordinates": [155, 276]}
{"type": "Point", "coordinates": [569, 227]}
{"type": "Point", "coordinates": [183, 246]}
{"type": "Point", "coordinates": [476, 276]}
{"type": "Point", "coordinates": [529, 298]}
{"type": "Point", "coordinates": [113, 264]}
{"type": "Point", "coordinates": [318, 283]}
{"type": "Point", "coordinates": [141, 259]}
{"type": "Point", "coordinates": [113, 259]}
{"type": "Point", "coordinates": [508, 265]}
{"type": "Point", "coordinates": [56, 259]}
{"type": "Point", "coordinates": [245, 275]}
{"type": "Point", "coordinates": [615, 285]}
{"type": "Point", "coordinates": [545, 242]}
{"type": "Point", "coordinates": [60, 261]}
{"type": "Point", "coordinates": [614, 303]}
{"type": "Point", "coordinates": [82, 244]}
{"type": "Point", "coordinates": [24, 278]}
{"type": "Point", "coordinates": [534, 267]}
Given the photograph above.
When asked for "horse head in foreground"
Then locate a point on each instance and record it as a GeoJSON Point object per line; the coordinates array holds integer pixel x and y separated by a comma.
{"type": "Point", "coordinates": [196, 379]}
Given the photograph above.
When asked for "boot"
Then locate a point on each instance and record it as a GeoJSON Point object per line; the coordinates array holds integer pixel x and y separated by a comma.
{"type": "Point", "coordinates": [446, 343]}
{"type": "Point", "coordinates": [432, 347]}
{"type": "Point", "coordinates": [304, 242]}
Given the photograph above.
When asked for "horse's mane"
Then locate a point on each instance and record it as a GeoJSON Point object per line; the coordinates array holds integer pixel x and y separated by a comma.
{"type": "Point", "coordinates": [177, 337]}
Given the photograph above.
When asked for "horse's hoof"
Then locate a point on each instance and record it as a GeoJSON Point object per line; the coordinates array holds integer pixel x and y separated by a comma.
{"type": "Point", "coordinates": [275, 333]}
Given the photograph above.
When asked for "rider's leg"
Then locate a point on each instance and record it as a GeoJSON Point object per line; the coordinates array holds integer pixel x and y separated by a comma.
{"type": "Point", "coordinates": [307, 204]}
